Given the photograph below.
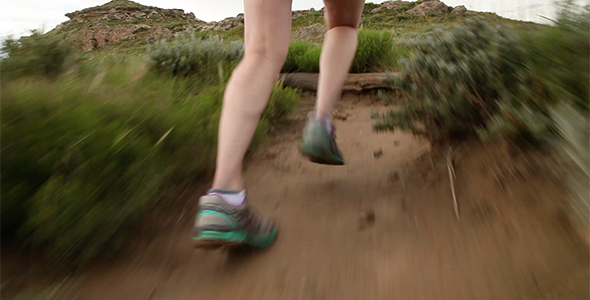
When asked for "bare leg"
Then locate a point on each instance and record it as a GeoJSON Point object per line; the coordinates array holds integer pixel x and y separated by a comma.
{"type": "Point", "coordinates": [267, 35]}
{"type": "Point", "coordinates": [342, 19]}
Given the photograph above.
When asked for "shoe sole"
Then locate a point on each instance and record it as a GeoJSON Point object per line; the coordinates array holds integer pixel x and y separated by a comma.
{"type": "Point", "coordinates": [319, 154]}
{"type": "Point", "coordinates": [322, 160]}
{"type": "Point", "coordinates": [212, 244]}
{"type": "Point", "coordinates": [210, 240]}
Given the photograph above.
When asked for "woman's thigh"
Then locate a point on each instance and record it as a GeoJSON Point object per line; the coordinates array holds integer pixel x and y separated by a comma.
{"type": "Point", "coordinates": [343, 12]}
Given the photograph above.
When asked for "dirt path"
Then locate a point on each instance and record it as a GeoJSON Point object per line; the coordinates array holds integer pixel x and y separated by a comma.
{"type": "Point", "coordinates": [370, 230]}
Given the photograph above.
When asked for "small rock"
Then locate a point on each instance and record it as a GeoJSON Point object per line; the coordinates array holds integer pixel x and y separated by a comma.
{"type": "Point", "coordinates": [377, 153]}
{"type": "Point", "coordinates": [340, 115]}
{"type": "Point", "coordinates": [393, 177]}
{"type": "Point", "coordinates": [367, 219]}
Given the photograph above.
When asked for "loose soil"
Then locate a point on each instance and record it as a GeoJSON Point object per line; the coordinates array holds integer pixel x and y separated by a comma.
{"type": "Point", "coordinates": [381, 227]}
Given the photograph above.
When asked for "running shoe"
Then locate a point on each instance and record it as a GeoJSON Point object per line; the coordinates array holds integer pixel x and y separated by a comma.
{"type": "Point", "coordinates": [221, 224]}
{"type": "Point", "coordinates": [319, 142]}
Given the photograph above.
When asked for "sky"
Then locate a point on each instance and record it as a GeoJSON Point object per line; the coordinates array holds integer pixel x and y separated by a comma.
{"type": "Point", "coordinates": [19, 17]}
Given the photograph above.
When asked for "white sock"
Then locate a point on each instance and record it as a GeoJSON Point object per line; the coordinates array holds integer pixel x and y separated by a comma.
{"type": "Point", "coordinates": [326, 123]}
{"type": "Point", "coordinates": [231, 197]}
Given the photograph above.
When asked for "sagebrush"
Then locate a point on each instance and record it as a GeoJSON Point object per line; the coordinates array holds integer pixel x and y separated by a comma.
{"type": "Point", "coordinates": [185, 56]}
{"type": "Point", "coordinates": [473, 80]}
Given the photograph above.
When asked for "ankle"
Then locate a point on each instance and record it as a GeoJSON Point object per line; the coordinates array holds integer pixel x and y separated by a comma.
{"type": "Point", "coordinates": [234, 183]}
{"type": "Point", "coordinates": [319, 114]}
{"type": "Point", "coordinates": [325, 121]}
{"type": "Point", "coordinates": [231, 197]}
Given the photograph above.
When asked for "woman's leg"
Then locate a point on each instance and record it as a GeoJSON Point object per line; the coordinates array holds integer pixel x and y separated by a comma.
{"type": "Point", "coordinates": [267, 35]}
{"type": "Point", "coordinates": [342, 19]}
{"type": "Point", "coordinates": [223, 219]}
{"type": "Point", "coordinates": [319, 138]}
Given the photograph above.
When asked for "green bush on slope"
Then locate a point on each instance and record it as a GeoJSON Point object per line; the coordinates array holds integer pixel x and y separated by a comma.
{"type": "Point", "coordinates": [375, 52]}
{"type": "Point", "coordinates": [86, 157]}
{"type": "Point", "coordinates": [472, 80]}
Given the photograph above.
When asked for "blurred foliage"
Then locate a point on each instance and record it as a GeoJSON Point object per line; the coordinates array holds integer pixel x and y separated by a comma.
{"type": "Point", "coordinates": [561, 54]}
{"type": "Point", "coordinates": [375, 52]}
{"type": "Point", "coordinates": [36, 54]}
{"type": "Point", "coordinates": [193, 56]}
{"type": "Point", "coordinates": [486, 81]}
{"type": "Point", "coordinates": [86, 155]}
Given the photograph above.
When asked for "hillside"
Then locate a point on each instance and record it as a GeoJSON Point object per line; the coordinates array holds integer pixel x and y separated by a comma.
{"type": "Point", "coordinates": [123, 24]}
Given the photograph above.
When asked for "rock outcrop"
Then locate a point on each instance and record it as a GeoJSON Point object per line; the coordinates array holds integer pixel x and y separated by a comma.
{"type": "Point", "coordinates": [123, 20]}
{"type": "Point", "coordinates": [431, 7]}
{"type": "Point", "coordinates": [228, 23]}
{"type": "Point", "coordinates": [311, 32]}
{"type": "Point", "coordinates": [127, 13]}
{"type": "Point", "coordinates": [388, 5]}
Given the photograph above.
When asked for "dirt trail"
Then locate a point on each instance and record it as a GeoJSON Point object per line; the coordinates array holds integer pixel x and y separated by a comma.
{"type": "Point", "coordinates": [372, 229]}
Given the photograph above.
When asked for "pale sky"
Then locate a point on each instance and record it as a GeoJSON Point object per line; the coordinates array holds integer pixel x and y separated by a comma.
{"type": "Point", "coordinates": [18, 17]}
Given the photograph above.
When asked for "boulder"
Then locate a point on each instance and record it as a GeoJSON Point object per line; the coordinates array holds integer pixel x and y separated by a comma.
{"type": "Point", "coordinates": [229, 23]}
{"type": "Point", "coordinates": [459, 10]}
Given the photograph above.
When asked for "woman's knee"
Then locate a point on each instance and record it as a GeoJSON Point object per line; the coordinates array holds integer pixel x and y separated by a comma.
{"type": "Point", "coordinates": [354, 24]}
{"type": "Point", "coordinates": [263, 55]}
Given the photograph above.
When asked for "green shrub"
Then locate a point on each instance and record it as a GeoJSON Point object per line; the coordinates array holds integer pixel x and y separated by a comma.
{"type": "Point", "coordinates": [194, 56]}
{"type": "Point", "coordinates": [375, 52]}
{"type": "Point", "coordinates": [296, 50]}
{"type": "Point", "coordinates": [302, 57]}
{"type": "Point", "coordinates": [310, 60]}
{"type": "Point", "coordinates": [36, 54]}
{"type": "Point", "coordinates": [282, 102]}
{"type": "Point", "coordinates": [76, 172]}
{"type": "Point", "coordinates": [86, 157]}
{"type": "Point", "coordinates": [471, 80]}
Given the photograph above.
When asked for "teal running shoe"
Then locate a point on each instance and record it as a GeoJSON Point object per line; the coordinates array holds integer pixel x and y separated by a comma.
{"type": "Point", "coordinates": [220, 224]}
{"type": "Point", "coordinates": [319, 142]}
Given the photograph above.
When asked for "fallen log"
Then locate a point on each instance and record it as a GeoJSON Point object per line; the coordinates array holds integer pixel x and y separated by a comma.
{"type": "Point", "coordinates": [353, 82]}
